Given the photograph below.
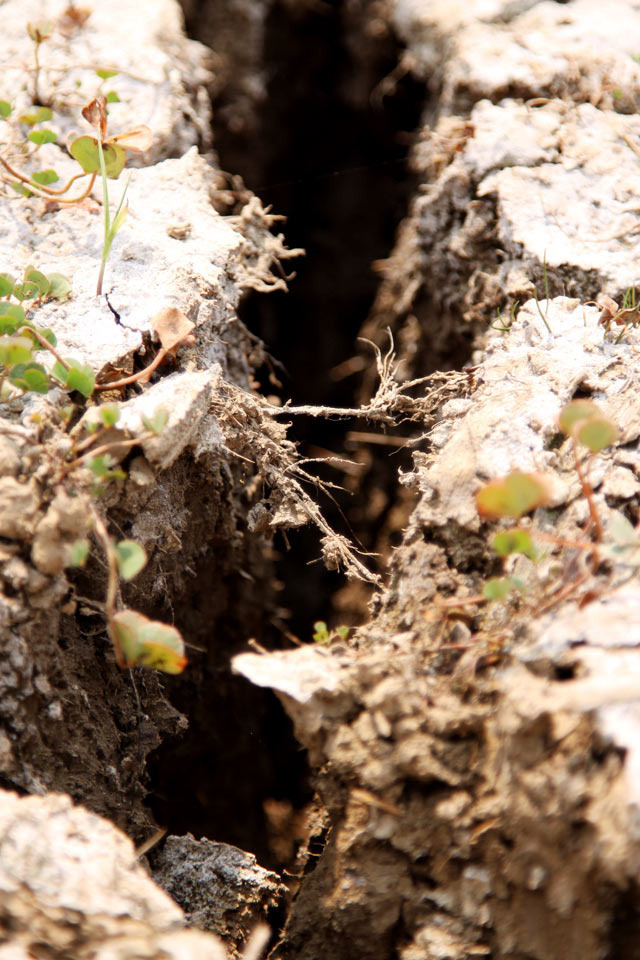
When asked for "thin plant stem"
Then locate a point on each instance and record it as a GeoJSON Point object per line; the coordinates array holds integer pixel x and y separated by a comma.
{"type": "Point", "coordinates": [107, 217]}
{"type": "Point", "coordinates": [44, 343]}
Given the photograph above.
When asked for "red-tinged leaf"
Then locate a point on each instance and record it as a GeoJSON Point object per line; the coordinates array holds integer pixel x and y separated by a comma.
{"type": "Point", "coordinates": [512, 496]}
{"type": "Point", "coordinates": [147, 643]}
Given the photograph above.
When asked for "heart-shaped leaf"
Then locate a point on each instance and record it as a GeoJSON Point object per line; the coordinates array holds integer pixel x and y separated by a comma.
{"type": "Point", "coordinates": [596, 434]}
{"type": "Point", "coordinates": [45, 177]}
{"type": "Point", "coordinates": [43, 136]}
{"type": "Point", "coordinates": [172, 327]}
{"type": "Point", "coordinates": [514, 541]}
{"type": "Point", "coordinates": [575, 411]}
{"type": "Point", "coordinates": [26, 291]}
{"type": "Point", "coordinates": [85, 151]}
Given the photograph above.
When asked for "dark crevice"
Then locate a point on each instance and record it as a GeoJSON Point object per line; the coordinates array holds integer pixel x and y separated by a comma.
{"type": "Point", "coordinates": [333, 152]}
{"type": "Point", "coordinates": [327, 150]}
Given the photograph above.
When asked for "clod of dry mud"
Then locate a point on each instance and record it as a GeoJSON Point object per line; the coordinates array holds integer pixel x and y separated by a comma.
{"type": "Point", "coordinates": [482, 810]}
{"type": "Point", "coordinates": [220, 887]}
{"type": "Point", "coordinates": [71, 882]}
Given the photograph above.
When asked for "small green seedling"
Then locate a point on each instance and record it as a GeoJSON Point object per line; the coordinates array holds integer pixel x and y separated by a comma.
{"type": "Point", "coordinates": [107, 154]}
{"type": "Point", "coordinates": [137, 640]}
{"type": "Point", "coordinates": [515, 495]}
{"type": "Point", "coordinates": [324, 636]}
{"type": "Point", "coordinates": [39, 31]}
{"type": "Point", "coordinates": [502, 325]}
{"type": "Point", "coordinates": [625, 316]}
{"type": "Point", "coordinates": [20, 339]}
{"type": "Point", "coordinates": [584, 422]}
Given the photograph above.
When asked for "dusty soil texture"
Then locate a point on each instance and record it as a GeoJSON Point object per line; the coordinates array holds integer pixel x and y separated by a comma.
{"type": "Point", "coordinates": [459, 777]}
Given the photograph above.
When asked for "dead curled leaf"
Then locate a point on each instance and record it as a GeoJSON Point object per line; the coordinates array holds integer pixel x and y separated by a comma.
{"type": "Point", "coordinates": [172, 328]}
{"type": "Point", "coordinates": [138, 139]}
{"type": "Point", "coordinates": [95, 113]}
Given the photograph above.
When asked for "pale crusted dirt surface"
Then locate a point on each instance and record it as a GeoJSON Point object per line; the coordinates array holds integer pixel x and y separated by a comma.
{"type": "Point", "coordinates": [476, 764]}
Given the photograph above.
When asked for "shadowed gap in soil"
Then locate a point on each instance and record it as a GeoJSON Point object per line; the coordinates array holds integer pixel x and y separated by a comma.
{"type": "Point", "coordinates": [331, 158]}
{"type": "Point", "coordinates": [333, 147]}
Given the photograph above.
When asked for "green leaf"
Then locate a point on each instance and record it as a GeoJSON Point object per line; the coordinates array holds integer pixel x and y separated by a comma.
{"type": "Point", "coordinates": [5, 109]}
{"type": "Point", "coordinates": [157, 422]}
{"type": "Point", "coordinates": [8, 325]}
{"type": "Point", "coordinates": [11, 311]}
{"type": "Point", "coordinates": [15, 350]}
{"type": "Point", "coordinates": [596, 434]}
{"type": "Point", "coordinates": [79, 553]}
{"type": "Point", "coordinates": [148, 643]}
{"type": "Point", "coordinates": [512, 496]}
{"type": "Point", "coordinates": [514, 541]}
{"type": "Point", "coordinates": [106, 74]}
{"type": "Point", "coordinates": [112, 97]}
{"type": "Point", "coordinates": [48, 335]}
{"type": "Point", "coordinates": [45, 177]}
{"type": "Point", "coordinates": [575, 411]}
{"type": "Point", "coordinates": [109, 414]}
{"type": "Point", "coordinates": [20, 188]}
{"type": "Point", "coordinates": [498, 588]}
{"type": "Point", "coordinates": [59, 286]}
{"type": "Point", "coordinates": [119, 219]}
{"type": "Point", "coordinates": [320, 632]}
{"type": "Point", "coordinates": [26, 291]}
{"type": "Point", "coordinates": [6, 284]}
{"type": "Point", "coordinates": [30, 377]}
{"type": "Point", "coordinates": [42, 115]}
{"type": "Point", "coordinates": [43, 136]}
{"type": "Point", "coordinates": [40, 30]}
{"type": "Point", "coordinates": [85, 151]}
{"type": "Point", "coordinates": [343, 632]}
{"type": "Point", "coordinates": [40, 279]}
{"type": "Point", "coordinates": [103, 466]}
{"type": "Point", "coordinates": [131, 557]}
{"type": "Point", "coordinates": [78, 377]}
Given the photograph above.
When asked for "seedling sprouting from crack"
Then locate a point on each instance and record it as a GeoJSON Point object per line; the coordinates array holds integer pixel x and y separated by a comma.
{"type": "Point", "coordinates": [546, 294]}
{"type": "Point", "coordinates": [39, 31]}
{"type": "Point", "coordinates": [137, 640]}
{"type": "Point", "coordinates": [107, 154]}
{"type": "Point", "coordinates": [519, 493]}
{"type": "Point", "coordinates": [325, 637]}
{"type": "Point", "coordinates": [628, 315]}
